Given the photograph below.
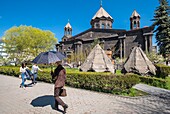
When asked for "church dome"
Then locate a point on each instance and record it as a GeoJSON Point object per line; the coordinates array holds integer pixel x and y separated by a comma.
{"type": "Point", "coordinates": [101, 13]}
{"type": "Point", "coordinates": [102, 20]}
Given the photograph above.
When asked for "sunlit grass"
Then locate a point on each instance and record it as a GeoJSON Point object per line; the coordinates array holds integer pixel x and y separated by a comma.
{"type": "Point", "coordinates": [118, 72]}
{"type": "Point", "coordinates": [76, 70]}
{"type": "Point", "coordinates": [168, 82]}
{"type": "Point", "coordinates": [72, 70]}
{"type": "Point", "coordinates": [134, 92]}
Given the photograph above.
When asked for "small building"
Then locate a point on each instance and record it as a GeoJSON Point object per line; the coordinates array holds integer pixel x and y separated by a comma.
{"type": "Point", "coordinates": [3, 53]}
{"type": "Point", "coordinates": [97, 61]}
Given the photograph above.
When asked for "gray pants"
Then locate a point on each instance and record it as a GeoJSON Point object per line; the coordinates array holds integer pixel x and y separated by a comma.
{"type": "Point", "coordinates": [34, 77]}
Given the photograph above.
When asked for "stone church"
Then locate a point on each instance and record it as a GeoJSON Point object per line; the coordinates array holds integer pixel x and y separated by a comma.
{"type": "Point", "coordinates": [115, 42]}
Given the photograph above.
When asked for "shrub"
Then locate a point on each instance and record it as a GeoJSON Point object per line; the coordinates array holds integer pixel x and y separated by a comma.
{"type": "Point", "coordinates": [157, 82]}
{"type": "Point", "coordinates": [102, 82]}
{"type": "Point", "coordinates": [45, 77]}
{"type": "Point", "coordinates": [162, 71]}
{"type": "Point", "coordinates": [14, 71]}
{"type": "Point", "coordinates": [168, 82]}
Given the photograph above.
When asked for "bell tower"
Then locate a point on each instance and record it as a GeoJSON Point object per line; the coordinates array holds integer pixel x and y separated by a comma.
{"type": "Point", "coordinates": [68, 30]}
{"type": "Point", "coordinates": [134, 20]}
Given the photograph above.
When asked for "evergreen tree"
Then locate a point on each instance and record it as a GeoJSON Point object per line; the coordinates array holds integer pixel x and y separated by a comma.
{"type": "Point", "coordinates": [162, 24]}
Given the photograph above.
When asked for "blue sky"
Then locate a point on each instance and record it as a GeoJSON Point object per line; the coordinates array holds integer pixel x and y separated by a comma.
{"type": "Point", "coordinates": [53, 15]}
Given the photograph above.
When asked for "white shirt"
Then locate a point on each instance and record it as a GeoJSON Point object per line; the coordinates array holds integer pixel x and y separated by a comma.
{"type": "Point", "coordinates": [23, 70]}
{"type": "Point", "coordinates": [35, 69]}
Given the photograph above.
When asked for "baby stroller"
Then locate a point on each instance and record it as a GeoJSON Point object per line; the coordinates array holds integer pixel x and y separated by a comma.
{"type": "Point", "coordinates": [29, 74]}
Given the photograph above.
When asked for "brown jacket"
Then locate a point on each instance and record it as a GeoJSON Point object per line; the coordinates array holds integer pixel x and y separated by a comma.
{"type": "Point", "coordinates": [60, 82]}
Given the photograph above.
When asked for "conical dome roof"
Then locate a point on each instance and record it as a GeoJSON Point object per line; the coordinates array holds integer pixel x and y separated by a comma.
{"type": "Point", "coordinates": [137, 62]}
{"type": "Point", "coordinates": [135, 14]}
{"type": "Point", "coordinates": [68, 25]}
{"type": "Point", "coordinates": [101, 13]}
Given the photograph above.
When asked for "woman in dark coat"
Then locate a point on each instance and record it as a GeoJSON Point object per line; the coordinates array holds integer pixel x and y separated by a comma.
{"type": "Point", "coordinates": [59, 77]}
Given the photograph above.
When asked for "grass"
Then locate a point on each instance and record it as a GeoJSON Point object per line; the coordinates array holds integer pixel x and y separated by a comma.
{"type": "Point", "coordinates": [118, 72]}
{"type": "Point", "coordinates": [168, 82]}
{"type": "Point", "coordinates": [75, 70]}
{"type": "Point", "coordinates": [134, 93]}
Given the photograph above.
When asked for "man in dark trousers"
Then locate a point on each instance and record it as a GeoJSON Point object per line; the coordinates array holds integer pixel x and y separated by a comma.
{"type": "Point", "coordinates": [59, 77]}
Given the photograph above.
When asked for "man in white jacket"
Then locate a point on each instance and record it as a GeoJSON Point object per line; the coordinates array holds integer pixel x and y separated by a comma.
{"type": "Point", "coordinates": [34, 70]}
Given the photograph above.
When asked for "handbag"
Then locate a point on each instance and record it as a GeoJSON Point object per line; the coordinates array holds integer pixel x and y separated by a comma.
{"type": "Point", "coordinates": [63, 92]}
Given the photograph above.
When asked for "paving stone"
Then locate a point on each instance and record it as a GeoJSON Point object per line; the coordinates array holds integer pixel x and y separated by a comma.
{"type": "Point", "coordinates": [15, 100]}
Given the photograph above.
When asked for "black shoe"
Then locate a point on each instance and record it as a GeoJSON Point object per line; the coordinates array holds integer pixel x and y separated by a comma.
{"type": "Point", "coordinates": [33, 83]}
{"type": "Point", "coordinates": [22, 86]}
{"type": "Point", "coordinates": [56, 105]}
{"type": "Point", "coordinates": [65, 107]}
{"type": "Point", "coordinates": [56, 108]}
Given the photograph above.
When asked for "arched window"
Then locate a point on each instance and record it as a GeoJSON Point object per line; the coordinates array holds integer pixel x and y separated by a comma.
{"type": "Point", "coordinates": [108, 26]}
{"type": "Point", "coordinates": [97, 25]}
{"type": "Point", "coordinates": [103, 25]}
{"type": "Point", "coordinates": [138, 23]}
{"type": "Point", "coordinates": [68, 32]}
{"type": "Point", "coordinates": [134, 24]}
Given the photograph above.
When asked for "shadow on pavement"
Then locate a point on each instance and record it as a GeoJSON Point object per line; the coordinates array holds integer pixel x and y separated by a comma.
{"type": "Point", "coordinates": [29, 85]}
{"type": "Point", "coordinates": [43, 101]}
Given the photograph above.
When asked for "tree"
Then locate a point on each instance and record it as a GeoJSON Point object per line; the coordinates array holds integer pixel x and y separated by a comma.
{"type": "Point", "coordinates": [155, 58]}
{"type": "Point", "coordinates": [95, 42]}
{"type": "Point", "coordinates": [162, 23]}
{"type": "Point", "coordinates": [23, 43]}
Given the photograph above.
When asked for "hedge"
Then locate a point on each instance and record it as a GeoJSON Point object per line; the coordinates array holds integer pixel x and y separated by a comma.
{"type": "Point", "coordinates": [162, 71]}
{"type": "Point", "coordinates": [157, 82]}
{"type": "Point", "coordinates": [10, 70]}
{"type": "Point", "coordinates": [102, 82]}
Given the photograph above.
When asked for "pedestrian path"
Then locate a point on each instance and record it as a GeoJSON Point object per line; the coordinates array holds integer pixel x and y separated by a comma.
{"type": "Point", "coordinates": [39, 100]}
{"type": "Point", "coordinates": [153, 90]}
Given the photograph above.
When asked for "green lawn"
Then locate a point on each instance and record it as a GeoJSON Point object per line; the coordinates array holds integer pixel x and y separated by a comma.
{"type": "Point", "coordinates": [168, 82]}
{"type": "Point", "coordinates": [75, 70]}
{"type": "Point", "coordinates": [118, 72]}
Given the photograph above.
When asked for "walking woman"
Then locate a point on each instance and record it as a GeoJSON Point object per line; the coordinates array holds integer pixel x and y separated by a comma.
{"type": "Point", "coordinates": [59, 77]}
{"type": "Point", "coordinates": [23, 75]}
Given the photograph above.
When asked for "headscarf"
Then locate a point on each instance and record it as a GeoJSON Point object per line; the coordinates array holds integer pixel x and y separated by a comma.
{"type": "Point", "coordinates": [57, 71]}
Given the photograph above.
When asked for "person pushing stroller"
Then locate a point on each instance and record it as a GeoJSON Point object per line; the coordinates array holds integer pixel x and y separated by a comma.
{"type": "Point", "coordinates": [34, 71]}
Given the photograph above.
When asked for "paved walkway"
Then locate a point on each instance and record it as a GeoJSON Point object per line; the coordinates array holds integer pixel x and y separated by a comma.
{"type": "Point", "coordinates": [164, 93]}
{"type": "Point", "coordinates": [39, 100]}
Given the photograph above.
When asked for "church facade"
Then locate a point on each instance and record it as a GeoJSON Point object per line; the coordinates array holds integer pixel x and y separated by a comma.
{"type": "Point", "coordinates": [116, 42]}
